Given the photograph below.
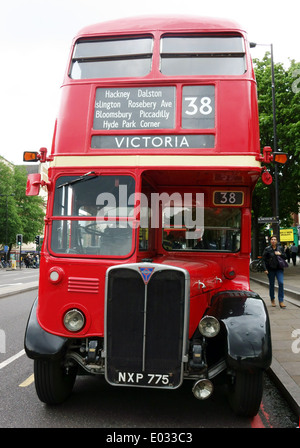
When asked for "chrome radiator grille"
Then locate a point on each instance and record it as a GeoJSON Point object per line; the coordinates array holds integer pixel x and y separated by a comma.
{"type": "Point", "coordinates": [146, 314]}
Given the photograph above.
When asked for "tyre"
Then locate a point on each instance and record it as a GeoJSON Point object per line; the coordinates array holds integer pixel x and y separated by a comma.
{"type": "Point", "coordinates": [53, 383]}
{"type": "Point", "coordinates": [245, 393]}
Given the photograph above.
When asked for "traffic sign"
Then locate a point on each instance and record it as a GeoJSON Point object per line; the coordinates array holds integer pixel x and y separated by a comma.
{"type": "Point", "coordinates": [266, 220]}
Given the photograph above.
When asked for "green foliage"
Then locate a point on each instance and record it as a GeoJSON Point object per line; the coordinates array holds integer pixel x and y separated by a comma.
{"type": "Point", "coordinates": [287, 99]}
{"type": "Point", "coordinates": [18, 213]}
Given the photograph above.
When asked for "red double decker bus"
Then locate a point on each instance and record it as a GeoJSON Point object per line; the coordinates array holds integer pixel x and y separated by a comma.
{"type": "Point", "coordinates": [144, 270]}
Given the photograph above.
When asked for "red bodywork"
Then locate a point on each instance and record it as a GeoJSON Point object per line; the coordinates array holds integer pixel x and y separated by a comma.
{"type": "Point", "coordinates": [230, 165]}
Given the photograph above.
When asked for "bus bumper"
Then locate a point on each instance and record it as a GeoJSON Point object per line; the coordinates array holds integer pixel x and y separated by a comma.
{"type": "Point", "coordinates": [246, 321]}
{"type": "Point", "coordinates": [38, 343]}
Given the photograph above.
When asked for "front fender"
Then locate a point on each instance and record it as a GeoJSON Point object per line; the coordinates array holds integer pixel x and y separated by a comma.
{"type": "Point", "coordinates": [38, 343]}
{"type": "Point", "coordinates": [247, 326]}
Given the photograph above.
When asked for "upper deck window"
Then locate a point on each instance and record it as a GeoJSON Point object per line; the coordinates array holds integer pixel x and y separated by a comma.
{"type": "Point", "coordinates": [117, 58]}
{"type": "Point", "coordinates": [202, 55]}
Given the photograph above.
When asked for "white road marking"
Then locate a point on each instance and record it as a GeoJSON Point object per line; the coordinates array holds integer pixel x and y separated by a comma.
{"type": "Point", "coordinates": [11, 359]}
{"type": "Point", "coordinates": [30, 379]}
{"type": "Point", "coordinates": [11, 284]}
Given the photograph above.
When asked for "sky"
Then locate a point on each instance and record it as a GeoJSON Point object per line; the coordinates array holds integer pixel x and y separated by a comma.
{"type": "Point", "coordinates": [36, 36]}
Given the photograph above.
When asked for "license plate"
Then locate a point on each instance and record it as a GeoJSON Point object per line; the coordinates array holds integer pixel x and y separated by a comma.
{"type": "Point", "coordinates": [144, 379]}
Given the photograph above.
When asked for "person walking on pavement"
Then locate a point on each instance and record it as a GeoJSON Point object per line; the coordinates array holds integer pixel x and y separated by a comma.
{"type": "Point", "coordinates": [294, 250]}
{"type": "Point", "coordinates": [272, 269]}
{"type": "Point", "coordinates": [288, 253]}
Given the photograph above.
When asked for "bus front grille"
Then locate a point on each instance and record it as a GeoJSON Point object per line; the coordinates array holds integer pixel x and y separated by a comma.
{"type": "Point", "coordinates": [146, 312]}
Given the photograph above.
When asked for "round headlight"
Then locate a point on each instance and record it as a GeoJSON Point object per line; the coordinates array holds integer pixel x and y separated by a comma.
{"type": "Point", "coordinates": [74, 320]}
{"type": "Point", "coordinates": [209, 326]}
{"type": "Point", "coordinates": [203, 389]}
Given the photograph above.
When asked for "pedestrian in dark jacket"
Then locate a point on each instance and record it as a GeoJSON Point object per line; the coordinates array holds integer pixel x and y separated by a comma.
{"type": "Point", "coordinates": [294, 250]}
{"type": "Point", "coordinates": [288, 254]}
{"type": "Point", "coordinates": [271, 267]}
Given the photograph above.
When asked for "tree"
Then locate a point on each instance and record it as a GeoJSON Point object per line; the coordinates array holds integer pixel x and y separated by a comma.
{"type": "Point", "coordinates": [23, 214]}
{"type": "Point", "coordinates": [288, 140]}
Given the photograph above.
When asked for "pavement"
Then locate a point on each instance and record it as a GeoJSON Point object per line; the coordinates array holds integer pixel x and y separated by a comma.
{"type": "Point", "coordinates": [285, 329]}
{"type": "Point", "coordinates": [10, 290]}
{"type": "Point", "coordinates": [285, 332]}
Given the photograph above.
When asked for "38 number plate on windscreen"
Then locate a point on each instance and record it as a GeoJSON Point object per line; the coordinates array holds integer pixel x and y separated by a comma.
{"type": "Point", "coordinates": [228, 198]}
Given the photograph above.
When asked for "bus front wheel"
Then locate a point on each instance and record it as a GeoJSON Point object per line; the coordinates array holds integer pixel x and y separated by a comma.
{"type": "Point", "coordinates": [245, 392]}
{"type": "Point", "coordinates": [53, 383]}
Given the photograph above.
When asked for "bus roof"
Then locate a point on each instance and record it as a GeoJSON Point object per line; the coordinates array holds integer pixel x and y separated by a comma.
{"type": "Point", "coordinates": [163, 23]}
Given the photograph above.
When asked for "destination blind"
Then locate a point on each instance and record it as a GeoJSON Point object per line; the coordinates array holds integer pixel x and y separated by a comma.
{"type": "Point", "coordinates": [171, 141]}
{"type": "Point", "coordinates": [150, 108]}
{"type": "Point", "coordinates": [135, 108]}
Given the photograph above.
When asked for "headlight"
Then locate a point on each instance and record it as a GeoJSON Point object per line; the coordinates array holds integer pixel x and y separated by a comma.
{"type": "Point", "coordinates": [74, 320]}
{"type": "Point", "coordinates": [209, 326]}
{"type": "Point", "coordinates": [203, 389]}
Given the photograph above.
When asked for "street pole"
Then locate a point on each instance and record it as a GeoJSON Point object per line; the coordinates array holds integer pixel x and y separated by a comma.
{"type": "Point", "coordinates": [275, 145]}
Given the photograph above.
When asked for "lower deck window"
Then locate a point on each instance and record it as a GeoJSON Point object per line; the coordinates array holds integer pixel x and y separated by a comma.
{"type": "Point", "coordinates": [221, 230]}
{"type": "Point", "coordinates": [93, 214]}
{"type": "Point", "coordinates": [91, 237]}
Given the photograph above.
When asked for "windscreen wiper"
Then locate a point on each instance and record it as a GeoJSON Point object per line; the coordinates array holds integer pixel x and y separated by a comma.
{"type": "Point", "coordinates": [84, 177]}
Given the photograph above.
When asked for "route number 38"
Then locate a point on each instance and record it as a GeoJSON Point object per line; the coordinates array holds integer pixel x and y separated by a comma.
{"type": "Point", "coordinates": [195, 106]}
{"type": "Point", "coordinates": [228, 197]}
